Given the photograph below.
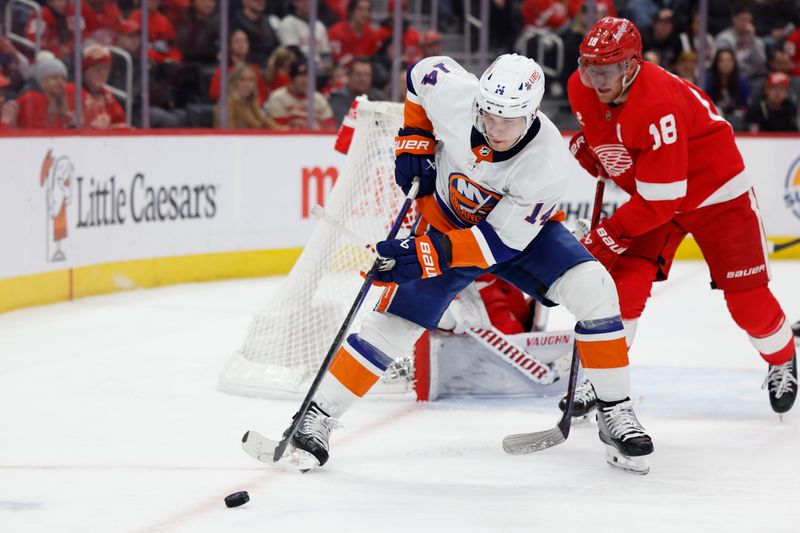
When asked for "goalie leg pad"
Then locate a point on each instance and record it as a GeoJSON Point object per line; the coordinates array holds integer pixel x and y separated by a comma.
{"type": "Point", "coordinates": [758, 313]}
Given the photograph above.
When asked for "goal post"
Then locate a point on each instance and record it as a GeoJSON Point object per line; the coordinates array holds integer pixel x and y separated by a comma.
{"type": "Point", "coordinates": [289, 337]}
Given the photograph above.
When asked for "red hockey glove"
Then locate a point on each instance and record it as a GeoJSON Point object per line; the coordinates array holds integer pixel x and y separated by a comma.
{"type": "Point", "coordinates": [606, 244]}
{"type": "Point", "coordinates": [409, 259]}
{"type": "Point", "coordinates": [581, 150]}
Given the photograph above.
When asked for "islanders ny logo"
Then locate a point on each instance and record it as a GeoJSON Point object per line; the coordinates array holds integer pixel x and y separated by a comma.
{"type": "Point", "coordinates": [470, 202]}
{"type": "Point", "coordinates": [56, 178]}
{"type": "Point", "coordinates": [791, 193]}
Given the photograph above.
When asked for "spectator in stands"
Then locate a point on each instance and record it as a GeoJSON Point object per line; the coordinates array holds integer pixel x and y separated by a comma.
{"type": "Point", "coordinates": [775, 111]}
{"type": "Point", "coordinates": [431, 44]}
{"type": "Point", "coordinates": [644, 12]}
{"type": "Point", "coordinates": [100, 109]}
{"type": "Point", "coordinates": [244, 108]}
{"type": "Point", "coordinates": [548, 14]}
{"type": "Point", "coordinates": [355, 36]}
{"type": "Point", "coordinates": [13, 65]}
{"type": "Point", "coordinates": [175, 10]}
{"type": "Point", "coordinates": [690, 40]}
{"type": "Point", "coordinates": [102, 19]}
{"type": "Point", "coordinates": [276, 74]}
{"type": "Point", "coordinates": [161, 33]}
{"type": "Point", "coordinates": [792, 47]}
{"type": "Point", "coordinates": [741, 38]}
{"type": "Point", "coordinates": [45, 106]}
{"type": "Point", "coordinates": [293, 31]}
{"type": "Point", "coordinates": [409, 40]}
{"type": "Point", "coordinates": [774, 20]}
{"type": "Point", "coordinates": [198, 33]}
{"type": "Point", "coordinates": [779, 61]}
{"type": "Point", "coordinates": [359, 81]}
{"type": "Point", "coordinates": [289, 105]}
{"type": "Point", "coordinates": [163, 112]}
{"type": "Point", "coordinates": [661, 37]}
{"type": "Point", "coordinates": [728, 89]}
{"type": "Point", "coordinates": [54, 30]}
{"type": "Point", "coordinates": [8, 108]}
{"type": "Point", "coordinates": [238, 49]}
{"type": "Point", "coordinates": [686, 66]}
{"type": "Point", "coordinates": [254, 21]}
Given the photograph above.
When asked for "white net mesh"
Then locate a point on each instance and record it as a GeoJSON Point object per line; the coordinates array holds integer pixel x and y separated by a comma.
{"type": "Point", "coordinates": [289, 338]}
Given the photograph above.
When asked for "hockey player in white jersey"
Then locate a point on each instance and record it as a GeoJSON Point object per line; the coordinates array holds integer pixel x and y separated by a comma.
{"type": "Point", "coordinates": [491, 169]}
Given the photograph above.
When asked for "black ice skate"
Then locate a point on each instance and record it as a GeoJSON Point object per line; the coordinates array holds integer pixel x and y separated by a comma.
{"type": "Point", "coordinates": [781, 383]}
{"type": "Point", "coordinates": [585, 401]}
{"type": "Point", "coordinates": [310, 441]}
{"type": "Point", "coordinates": [625, 438]}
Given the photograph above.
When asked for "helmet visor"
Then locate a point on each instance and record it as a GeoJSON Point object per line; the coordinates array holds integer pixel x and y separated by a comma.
{"type": "Point", "coordinates": [601, 76]}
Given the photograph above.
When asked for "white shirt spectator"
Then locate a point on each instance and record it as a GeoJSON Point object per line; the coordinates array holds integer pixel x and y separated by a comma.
{"type": "Point", "coordinates": [294, 31]}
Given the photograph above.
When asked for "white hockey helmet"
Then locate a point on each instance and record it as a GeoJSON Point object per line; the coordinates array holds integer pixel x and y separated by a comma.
{"type": "Point", "coordinates": [511, 87]}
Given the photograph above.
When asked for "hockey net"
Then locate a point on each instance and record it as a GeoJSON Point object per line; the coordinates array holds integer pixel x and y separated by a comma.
{"type": "Point", "coordinates": [288, 339]}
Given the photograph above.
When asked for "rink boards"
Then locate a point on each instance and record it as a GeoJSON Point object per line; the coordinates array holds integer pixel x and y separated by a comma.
{"type": "Point", "coordinates": [82, 215]}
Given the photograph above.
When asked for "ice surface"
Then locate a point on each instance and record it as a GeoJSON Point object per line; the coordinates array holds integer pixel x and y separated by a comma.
{"type": "Point", "coordinates": [110, 420]}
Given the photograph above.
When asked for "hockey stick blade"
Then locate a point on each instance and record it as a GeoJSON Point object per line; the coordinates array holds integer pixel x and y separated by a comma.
{"type": "Point", "coordinates": [259, 447]}
{"type": "Point", "coordinates": [524, 443]}
{"type": "Point", "coordinates": [775, 248]}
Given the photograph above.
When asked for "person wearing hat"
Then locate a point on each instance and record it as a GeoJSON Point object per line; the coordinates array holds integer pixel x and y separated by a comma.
{"type": "Point", "coordinates": [100, 109]}
{"type": "Point", "coordinates": [289, 105]}
{"type": "Point", "coordinates": [45, 106]}
{"type": "Point", "coordinates": [775, 111]}
{"type": "Point", "coordinates": [8, 108]}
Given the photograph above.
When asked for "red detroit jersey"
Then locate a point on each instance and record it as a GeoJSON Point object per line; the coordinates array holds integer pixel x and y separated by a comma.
{"type": "Point", "coordinates": [665, 146]}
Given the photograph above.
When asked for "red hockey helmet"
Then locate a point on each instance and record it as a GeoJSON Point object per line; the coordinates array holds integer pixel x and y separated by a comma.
{"type": "Point", "coordinates": [611, 41]}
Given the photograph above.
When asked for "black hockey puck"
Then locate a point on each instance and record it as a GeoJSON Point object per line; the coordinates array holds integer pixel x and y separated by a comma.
{"type": "Point", "coordinates": [236, 499]}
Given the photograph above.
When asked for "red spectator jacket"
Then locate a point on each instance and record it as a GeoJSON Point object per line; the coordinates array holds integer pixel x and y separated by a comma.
{"type": "Point", "coordinates": [33, 113]}
{"type": "Point", "coordinates": [96, 105]}
{"type": "Point", "coordinates": [345, 44]}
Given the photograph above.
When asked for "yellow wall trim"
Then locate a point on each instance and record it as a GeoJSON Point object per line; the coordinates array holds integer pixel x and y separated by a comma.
{"type": "Point", "coordinates": [50, 287]}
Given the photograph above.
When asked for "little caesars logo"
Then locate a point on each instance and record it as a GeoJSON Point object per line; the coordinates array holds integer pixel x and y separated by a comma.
{"type": "Point", "coordinates": [791, 195]}
{"type": "Point", "coordinates": [110, 202]}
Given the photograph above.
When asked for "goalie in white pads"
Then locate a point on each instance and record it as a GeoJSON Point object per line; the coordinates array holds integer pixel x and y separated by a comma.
{"type": "Point", "coordinates": [491, 170]}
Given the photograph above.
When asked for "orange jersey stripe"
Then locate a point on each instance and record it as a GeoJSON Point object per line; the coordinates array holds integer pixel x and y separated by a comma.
{"type": "Point", "coordinates": [351, 373]}
{"type": "Point", "coordinates": [466, 251]}
{"type": "Point", "coordinates": [414, 116]}
{"type": "Point", "coordinates": [603, 354]}
{"type": "Point", "coordinates": [433, 214]}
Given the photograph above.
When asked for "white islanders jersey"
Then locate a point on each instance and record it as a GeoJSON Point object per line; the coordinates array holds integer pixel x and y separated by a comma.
{"type": "Point", "coordinates": [503, 198]}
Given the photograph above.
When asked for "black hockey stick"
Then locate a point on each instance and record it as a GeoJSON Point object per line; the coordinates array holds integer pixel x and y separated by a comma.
{"type": "Point", "coordinates": [523, 443]}
{"type": "Point", "coordinates": [775, 248]}
{"type": "Point", "coordinates": [270, 451]}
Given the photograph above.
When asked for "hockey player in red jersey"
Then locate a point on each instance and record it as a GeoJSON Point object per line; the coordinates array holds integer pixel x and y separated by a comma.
{"type": "Point", "coordinates": [660, 139]}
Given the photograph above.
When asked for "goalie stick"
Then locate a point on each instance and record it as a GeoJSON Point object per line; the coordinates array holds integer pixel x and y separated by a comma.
{"type": "Point", "coordinates": [268, 450]}
{"type": "Point", "coordinates": [523, 443]}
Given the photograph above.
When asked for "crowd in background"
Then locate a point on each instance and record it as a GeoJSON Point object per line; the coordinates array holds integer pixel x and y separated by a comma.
{"type": "Point", "coordinates": [750, 65]}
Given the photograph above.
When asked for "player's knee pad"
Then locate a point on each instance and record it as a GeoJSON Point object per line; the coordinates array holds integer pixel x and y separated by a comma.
{"type": "Point", "coordinates": [392, 335]}
{"type": "Point", "coordinates": [587, 291]}
{"type": "Point", "coordinates": [758, 313]}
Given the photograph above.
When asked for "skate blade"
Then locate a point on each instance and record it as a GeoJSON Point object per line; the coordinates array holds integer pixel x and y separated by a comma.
{"type": "Point", "coordinates": [632, 465]}
{"type": "Point", "coordinates": [303, 460]}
